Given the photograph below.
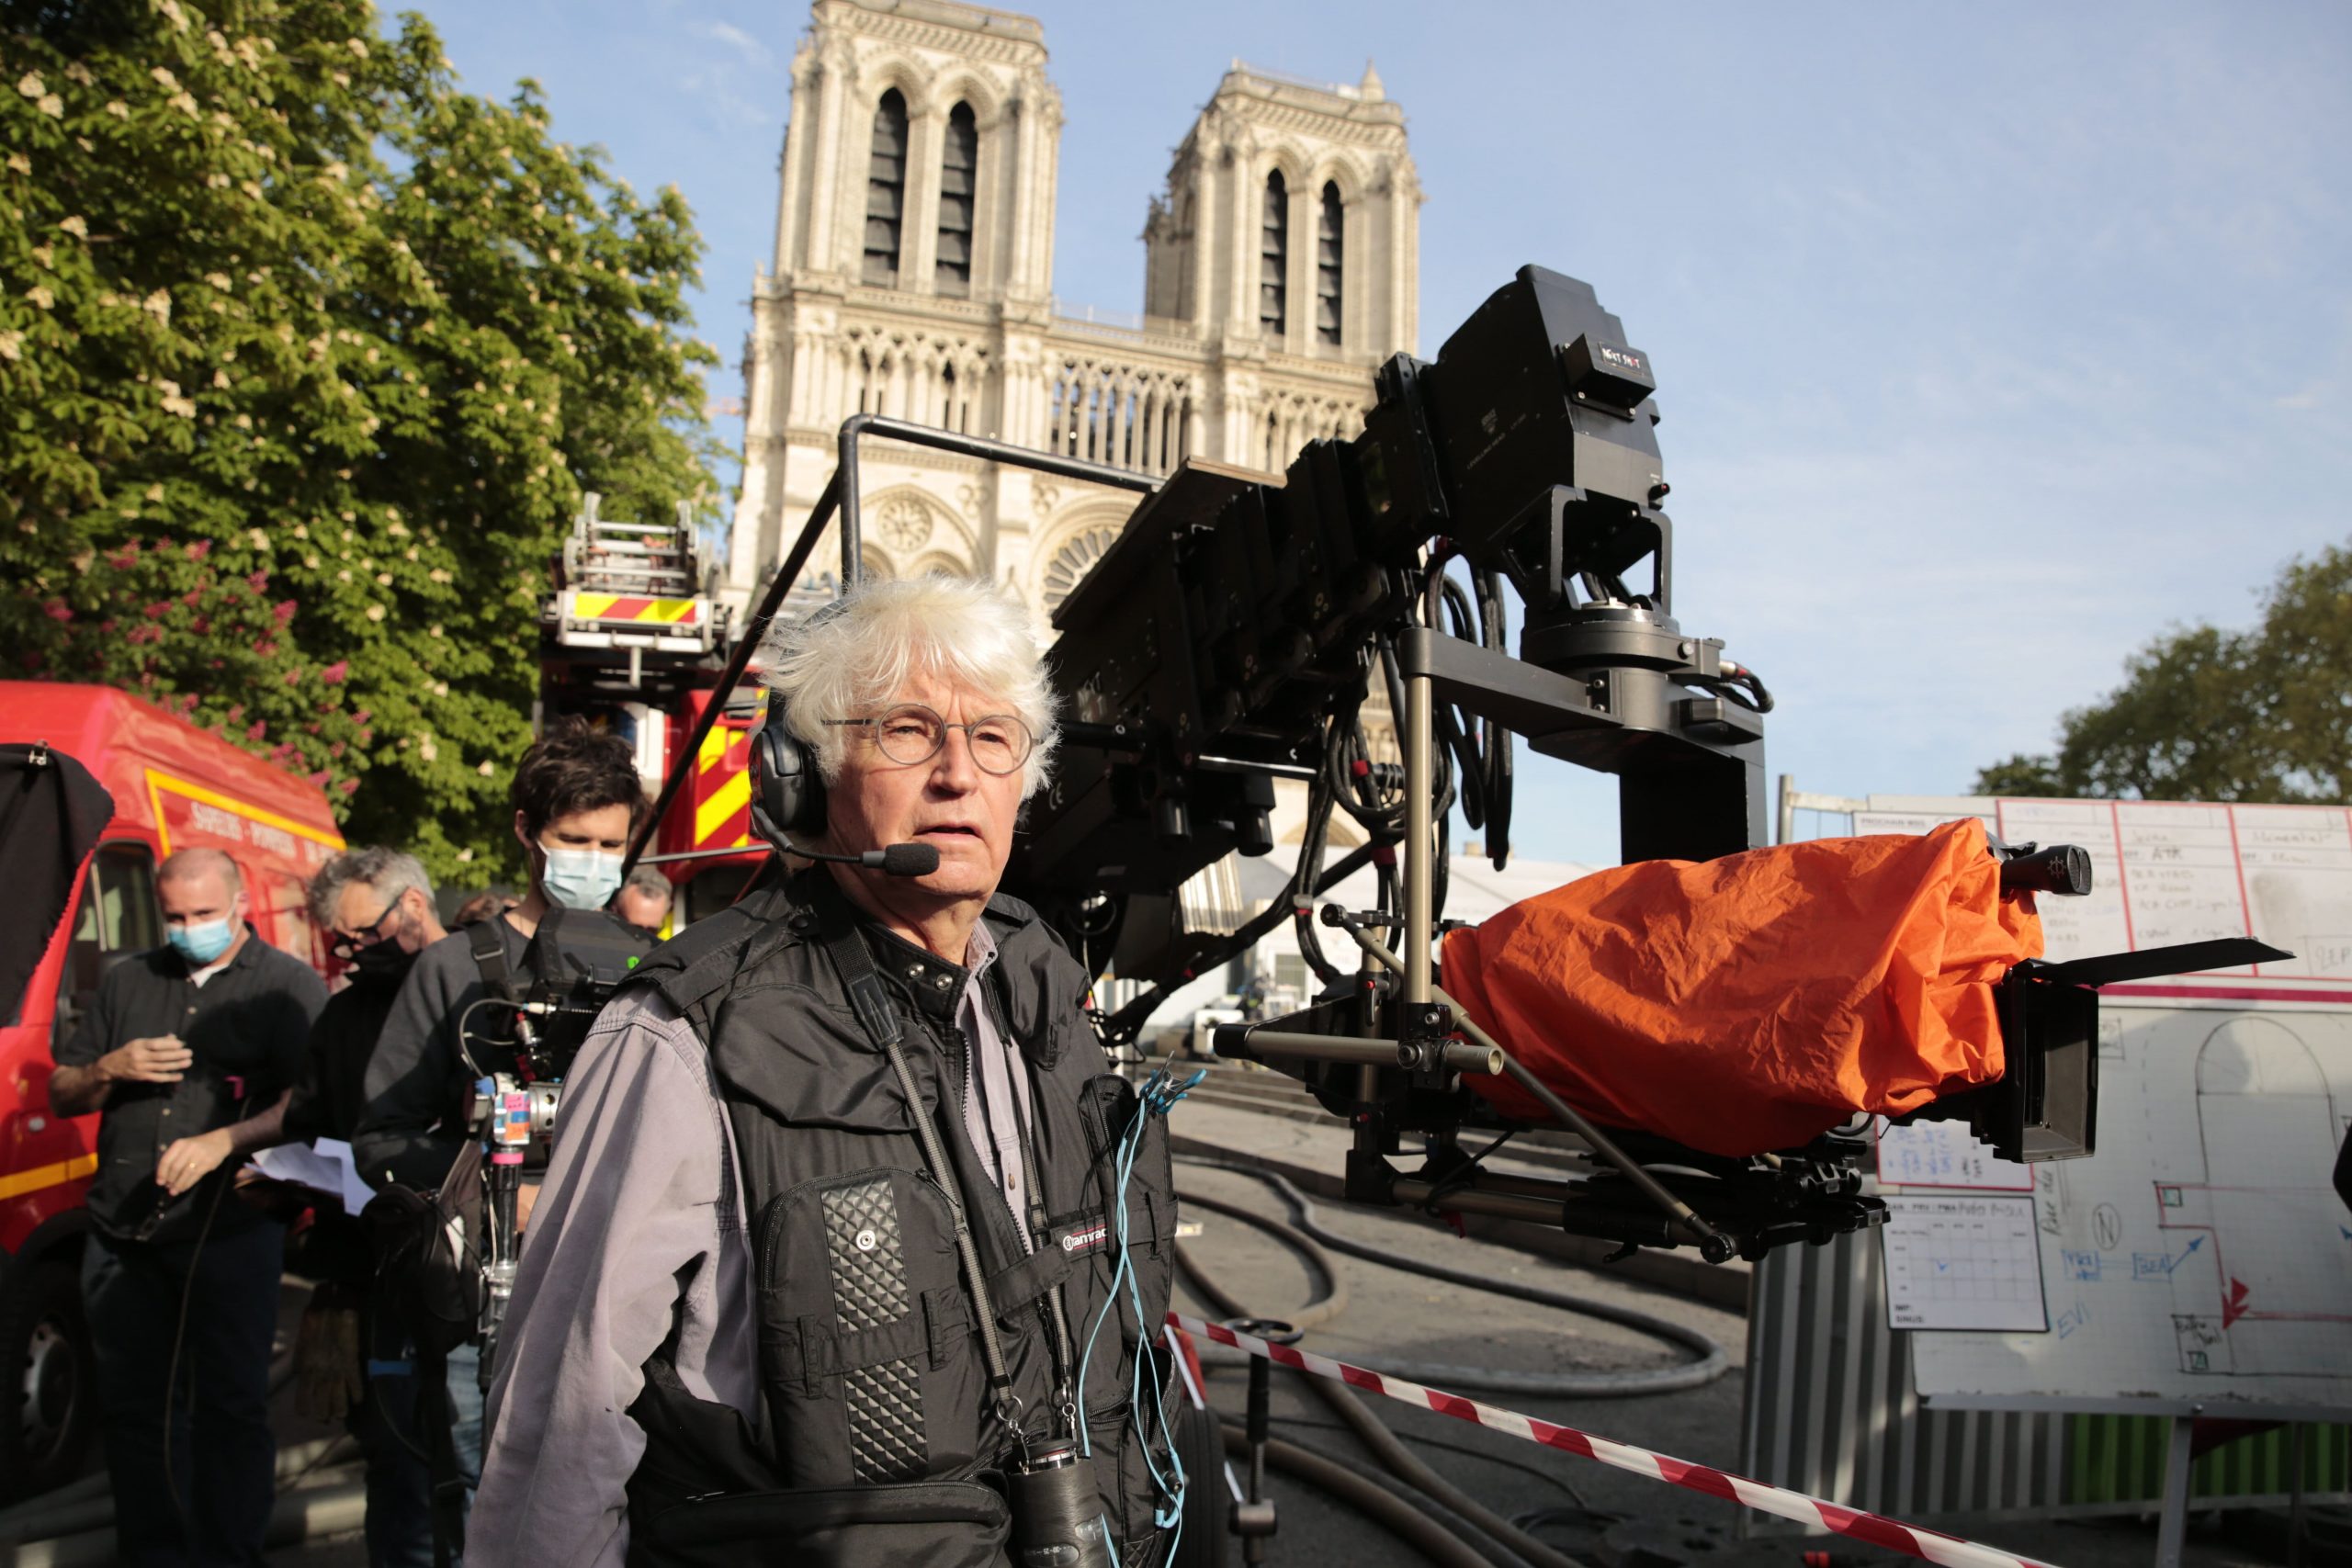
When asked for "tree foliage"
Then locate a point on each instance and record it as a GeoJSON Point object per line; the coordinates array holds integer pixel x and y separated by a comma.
{"type": "Point", "coordinates": [2203, 714]}
{"type": "Point", "coordinates": [305, 358]}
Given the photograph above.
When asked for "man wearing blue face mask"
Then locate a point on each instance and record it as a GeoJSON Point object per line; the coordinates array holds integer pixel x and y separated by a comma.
{"type": "Point", "coordinates": [576, 795]}
{"type": "Point", "coordinates": [189, 1053]}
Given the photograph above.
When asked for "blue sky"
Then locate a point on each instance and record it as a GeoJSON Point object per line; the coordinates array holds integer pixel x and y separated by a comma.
{"type": "Point", "coordinates": [1991, 340]}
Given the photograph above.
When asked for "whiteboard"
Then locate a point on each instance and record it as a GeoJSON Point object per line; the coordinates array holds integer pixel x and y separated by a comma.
{"type": "Point", "coordinates": [2167, 872]}
{"type": "Point", "coordinates": [2201, 1255]}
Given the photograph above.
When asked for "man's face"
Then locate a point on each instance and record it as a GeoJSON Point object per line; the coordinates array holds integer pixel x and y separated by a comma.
{"type": "Point", "coordinates": [363, 919]}
{"type": "Point", "coordinates": [199, 898]}
{"type": "Point", "coordinates": [949, 802]}
{"type": "Point", "coordinates": [604, 829]}
{"type": "Point", "coordinates": [640, 908]}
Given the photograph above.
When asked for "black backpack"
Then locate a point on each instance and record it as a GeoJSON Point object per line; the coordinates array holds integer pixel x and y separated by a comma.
{"type": "Point", "coordinates": [428, 1263]}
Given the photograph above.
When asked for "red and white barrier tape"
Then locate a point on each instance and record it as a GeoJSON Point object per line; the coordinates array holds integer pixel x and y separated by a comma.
{"type": "Point", "coordinates": [1911, 1540]}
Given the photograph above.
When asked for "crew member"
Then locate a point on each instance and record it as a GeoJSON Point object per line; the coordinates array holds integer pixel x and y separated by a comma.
{"type": "Point", "coordinates": [351, 1360]}
{"type": "Point", "coordinates": [744, 1293]}
{"type": "Point", "coordinates": [189, 1051]}
{"type": "Point", "coordinates": [575, 797]}
{"type": "Point", "coordinates": [644, 899]}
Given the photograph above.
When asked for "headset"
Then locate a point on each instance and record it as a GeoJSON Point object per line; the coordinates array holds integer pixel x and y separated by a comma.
{"type": "Point", "coordinates": [788, 803]}
{"type": "Point", "coordinates": [787, 788]}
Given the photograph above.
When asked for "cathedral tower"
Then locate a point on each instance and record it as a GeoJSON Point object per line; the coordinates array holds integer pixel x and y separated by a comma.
{"type": "Point", "coordinates": [913, 278]}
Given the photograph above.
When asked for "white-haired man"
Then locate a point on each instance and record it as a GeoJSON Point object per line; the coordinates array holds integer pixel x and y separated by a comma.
{"type": "Point", "coordinates": [746, 1320]}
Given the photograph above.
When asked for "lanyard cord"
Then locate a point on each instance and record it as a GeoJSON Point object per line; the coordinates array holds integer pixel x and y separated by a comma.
{"type": "Point", "coordinates": [1064, 1348]}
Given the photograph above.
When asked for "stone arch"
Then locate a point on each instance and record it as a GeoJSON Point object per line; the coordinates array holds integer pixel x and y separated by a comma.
{"type": "Point", "coordinates": [1287, 157]}
{"type": "Point", "coordinates": [940, 563]}
{"type": "Point", "coordinates": [884, 72]}
{"type": "Point", "coordinates": [1339, 168]}
{"type": "Point", "coordinates": [905, 520]}
{"type": "Point", "coordinates": [1077, 540]}
{"type": "Point", "coordinates": [963, 84]}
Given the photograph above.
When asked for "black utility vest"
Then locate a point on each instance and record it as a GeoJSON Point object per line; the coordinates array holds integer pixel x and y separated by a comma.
{"type": "Point", "coordinates": [874, 1386]}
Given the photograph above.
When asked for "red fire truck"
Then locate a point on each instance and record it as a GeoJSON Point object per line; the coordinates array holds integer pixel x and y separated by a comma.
{"type": "Point", "coordinates": [174, 786]}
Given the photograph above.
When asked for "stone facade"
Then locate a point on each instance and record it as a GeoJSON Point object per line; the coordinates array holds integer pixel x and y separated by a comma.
{"type": "Point", "coordinates": [913, 278]}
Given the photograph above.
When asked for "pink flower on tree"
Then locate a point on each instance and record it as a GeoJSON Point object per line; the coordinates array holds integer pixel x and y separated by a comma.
{"type": "Point", "coordinates": [294, 676]}
{"type": "Point", "coordinates": [320, 778]}
{"type": "Point", "coordinates": [159, 609]}
{"type": "Point", "coordinates": [348, 786]}
{"type": "Point", "coordinates": [199, 549]}
{"type": "Point", "coordinates": [257, 580]}
{"type": "Point", "coordinates": [257, 730]}
{"type": "Point", "coordinates": [336, 673]}
{"type": "Point", "coordinates": [57, 610]}
{"type": "Point", "coordinates": [283, 610]}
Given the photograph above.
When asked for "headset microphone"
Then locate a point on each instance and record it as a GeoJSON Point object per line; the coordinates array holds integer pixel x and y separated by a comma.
{"type": "Point", "coordinates": [896, 860]}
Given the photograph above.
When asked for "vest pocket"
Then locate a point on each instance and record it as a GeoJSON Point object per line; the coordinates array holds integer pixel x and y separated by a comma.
{"type": "Point", "coordinates": [867, 1352]}
{"type": "Point", "coordinates": [931, 1524]}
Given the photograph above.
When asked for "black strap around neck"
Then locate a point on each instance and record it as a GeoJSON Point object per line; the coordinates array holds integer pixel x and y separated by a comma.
{"type": "Point", "coordinates": [879, 1015]}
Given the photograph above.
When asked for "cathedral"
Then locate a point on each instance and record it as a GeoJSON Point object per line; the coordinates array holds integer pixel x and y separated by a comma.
{"type": "Point", "coordinates": [913, 278]}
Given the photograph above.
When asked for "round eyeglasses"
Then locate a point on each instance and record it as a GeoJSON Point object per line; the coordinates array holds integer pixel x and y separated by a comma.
{"type": "Point", "coordinates": [912, 733]}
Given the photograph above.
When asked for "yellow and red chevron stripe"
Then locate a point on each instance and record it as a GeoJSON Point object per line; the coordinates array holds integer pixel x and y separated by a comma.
{"type": "Point", "coordinates": [628, 607]}
{"type": "Point", "coordinates": [723, 790]}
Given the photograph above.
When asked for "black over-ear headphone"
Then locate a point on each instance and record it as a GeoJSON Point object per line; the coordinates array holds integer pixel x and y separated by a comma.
{"type": "Point", "coordinates": [788, 803]}
{"type": "Point", "coordinates": [787, 790]}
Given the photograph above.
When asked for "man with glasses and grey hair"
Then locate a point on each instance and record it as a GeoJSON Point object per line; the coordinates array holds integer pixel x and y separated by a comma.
{"type": "Point", "coordinates": [849, 1213]}
{"type": "Point", "coordinates": [351, 1362]}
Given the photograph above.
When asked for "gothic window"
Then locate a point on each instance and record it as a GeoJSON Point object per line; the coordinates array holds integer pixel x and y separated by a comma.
{"type": "Point", "coordinates": [959, 168]}
{"type": "Point", "coordinates": [886, 190]}
{"type": "Point", "coordinates": [1072, 562]}
{"type": "Point", "coordinates": [1329, 262]}
{"type": "Point", "coordinates": [1273, 258]}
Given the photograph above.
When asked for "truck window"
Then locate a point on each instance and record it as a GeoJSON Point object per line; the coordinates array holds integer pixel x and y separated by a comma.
{"type": "Point", "coordinates": [118, 915]}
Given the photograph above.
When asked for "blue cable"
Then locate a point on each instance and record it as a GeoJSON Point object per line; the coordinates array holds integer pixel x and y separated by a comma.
{"type": "Point", "coordinates": [1157, 1096]}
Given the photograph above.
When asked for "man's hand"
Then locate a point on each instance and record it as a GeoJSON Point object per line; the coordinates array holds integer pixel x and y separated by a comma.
{"type": "Point", "coordinates": [190, 1160]}
{"type": "Point", "coordinates": [158, 1059]}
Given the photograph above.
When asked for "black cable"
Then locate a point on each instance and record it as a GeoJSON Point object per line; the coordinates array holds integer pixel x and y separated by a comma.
{"type": "Point", "coordinates": [1438, 1533]}
{"type": "Point", "coordinates": [1122, 1026]}
{"type": "Point", "coordinates": [1494, 634]}
{"type": "Point", "coordinates": [1710, 1362]}
{"type": "Point", "coordinates": [221, 1181]}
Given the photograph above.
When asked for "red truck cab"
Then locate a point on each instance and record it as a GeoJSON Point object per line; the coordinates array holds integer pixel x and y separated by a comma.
{"type": "Point", "coordinates": [174, 786]}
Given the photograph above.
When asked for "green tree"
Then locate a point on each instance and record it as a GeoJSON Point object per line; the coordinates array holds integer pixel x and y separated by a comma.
{"type": "Point", "coordinates": [2203, 714]}
{"type": "Point", "coordinates": [305, 357]}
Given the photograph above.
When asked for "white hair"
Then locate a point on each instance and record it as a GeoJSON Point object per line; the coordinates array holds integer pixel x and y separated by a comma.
{"type": "Point", "coordinates": [861, 650]}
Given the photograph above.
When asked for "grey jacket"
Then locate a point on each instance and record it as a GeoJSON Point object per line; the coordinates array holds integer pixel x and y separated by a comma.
{"type": "Point", "coordinates": [714, 1104]}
